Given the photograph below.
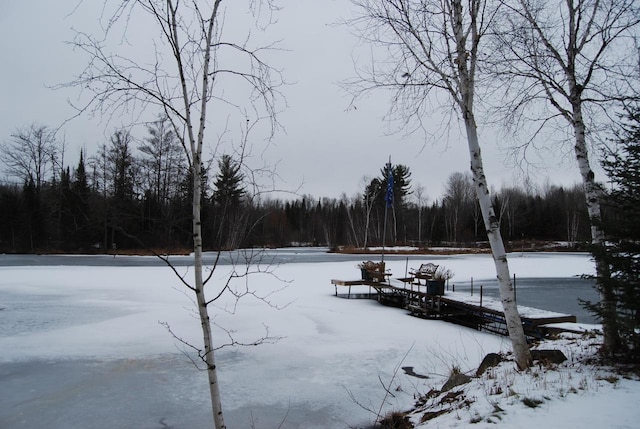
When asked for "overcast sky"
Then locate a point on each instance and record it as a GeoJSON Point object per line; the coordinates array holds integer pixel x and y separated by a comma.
{"type": "Point", "coordinates": [327, 148]}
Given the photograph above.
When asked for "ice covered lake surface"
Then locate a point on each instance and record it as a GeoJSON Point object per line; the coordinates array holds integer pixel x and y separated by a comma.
{"type": "Point", "coordinates": [81, 345]}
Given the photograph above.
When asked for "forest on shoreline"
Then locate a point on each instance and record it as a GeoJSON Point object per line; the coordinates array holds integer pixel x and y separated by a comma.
{"type": "Point", "coordinates": [136, 196]}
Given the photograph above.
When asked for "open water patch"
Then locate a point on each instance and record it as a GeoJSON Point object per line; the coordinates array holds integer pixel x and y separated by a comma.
{"type": "Point", "coordinates": [561, 295]}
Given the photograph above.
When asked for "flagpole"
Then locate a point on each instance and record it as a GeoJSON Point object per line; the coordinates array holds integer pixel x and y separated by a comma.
{"type": "Point", "coordinates": [384, 231]}
{"type": "Point", "coordinates": [388, 198]}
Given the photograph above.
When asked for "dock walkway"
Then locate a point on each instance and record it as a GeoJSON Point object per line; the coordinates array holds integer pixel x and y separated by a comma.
{"type": "Point", "coordinates": [476, 311]}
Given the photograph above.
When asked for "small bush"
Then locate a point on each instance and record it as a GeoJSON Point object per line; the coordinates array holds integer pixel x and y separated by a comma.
{"type": "Point", "coordinates": [610, 378]}
{"type": "Point", "coordinates": [396, 420]}
{"type": "Point", "coordinates": [532, 403]}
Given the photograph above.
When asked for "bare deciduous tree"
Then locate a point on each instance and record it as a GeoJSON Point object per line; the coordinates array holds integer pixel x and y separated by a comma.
{"type": "Point", "coordinates": [433, 47]}
{"type": "Point", "coordinates": [459, 199]}
{"type": "Point", "coordinates": [420, 197]}
{"type": "Point", "coordinates": [192, 66]}
{"type": "Point", "coordinates": [31, 154]}
{"type": "Point", "coordinates": [34, 155]}
{"type": "Point", "coordinates": [162, 160]}
{"type": "Point", "coordinates": [370, 195]}
{"type": "Point", "coordinates": [566, 64]}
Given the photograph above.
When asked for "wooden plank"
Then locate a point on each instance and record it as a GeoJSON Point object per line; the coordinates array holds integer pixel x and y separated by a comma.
{"type": "Point", "coordinates": [545, 320]}
{"type": "Point", "coordinates": [371, 283]}
{"type": "Point", "coordinates": [350, 282]}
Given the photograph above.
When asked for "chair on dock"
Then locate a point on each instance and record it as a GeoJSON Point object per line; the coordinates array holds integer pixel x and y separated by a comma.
{"type": "Point", "coordinates": [374, 271]}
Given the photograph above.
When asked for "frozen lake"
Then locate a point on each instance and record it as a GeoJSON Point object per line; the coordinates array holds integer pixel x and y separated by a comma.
{"type": "Point", "coordinates": [81, 346]}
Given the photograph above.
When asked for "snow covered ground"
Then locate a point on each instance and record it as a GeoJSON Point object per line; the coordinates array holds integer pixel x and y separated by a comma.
{"type": "Point", "coordinates": [82, 347]}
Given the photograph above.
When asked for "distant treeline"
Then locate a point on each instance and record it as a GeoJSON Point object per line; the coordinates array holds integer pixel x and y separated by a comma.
{"type": "Point", "coordinates": [67, 216]}
{"type": "Point", "coordinates": [138, 195]}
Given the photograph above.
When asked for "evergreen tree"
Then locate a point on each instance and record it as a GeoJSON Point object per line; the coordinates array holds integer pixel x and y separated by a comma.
{"type": "Point", "coordinates": [622, 226]}
{"type": "Point", "coordinates": [80, 183]}
{"type": "Point", "coordinates": [122, 166]}
{"type": "Point", "coordinates": [12, 218]}
{"type": "Point", "coordinates": [401, 185]}
{"type": "Point", "coordinates": [228, 196]}
{"type": "Point", "coordinates": [34, 220]}
{"type": "Point", "coordinates": [81, 235]}
{"type": "Point", "coordinates": [229, 190]}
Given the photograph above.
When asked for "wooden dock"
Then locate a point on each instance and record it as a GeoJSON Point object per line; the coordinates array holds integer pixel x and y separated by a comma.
{"type": "Point", "coordinates": [476, 311]}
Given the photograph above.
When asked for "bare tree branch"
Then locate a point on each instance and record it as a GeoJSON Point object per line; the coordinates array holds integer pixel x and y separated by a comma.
{"type": "Point", "coordinates": [568, 60]}
{"type": "Point", "coordinates": [185, 72]}
{"type": "Point", "coordinates": [431, 49]}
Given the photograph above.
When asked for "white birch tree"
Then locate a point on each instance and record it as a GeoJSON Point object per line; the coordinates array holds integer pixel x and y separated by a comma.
{"type": "Point", "coordinates": [433, 48]}
{"type": "Point", "coordinates": [192, 67]}
{"type": "Point", "coordinates": [566, 64]}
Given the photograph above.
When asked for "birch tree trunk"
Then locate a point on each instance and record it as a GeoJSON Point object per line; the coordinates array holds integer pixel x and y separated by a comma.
{"type": "Point", "coordinates": [555, 60]}
{"type": "Point", "coordinates": [593, 198]}
{"type": "Point", "coordinates": [196, 168]}
{"type": "Point", "coordinates": [591, 188]}
{"type": "Point", "coordinates": [498, 252]}
{"type": "Point", "coordinates": [466, 74]}
{"type": "Point", "coordinates": [183, 76]}
{"type": "Point", "coordinates": [434, 45]}
{"type": "Point", "coordinates": [205, 322]}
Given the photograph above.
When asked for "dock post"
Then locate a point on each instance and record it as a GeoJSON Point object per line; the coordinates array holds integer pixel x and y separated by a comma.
{"type": "Point", "coordinates": [471, 286]}
{"type": "Point", "coordinates": [481, 287]}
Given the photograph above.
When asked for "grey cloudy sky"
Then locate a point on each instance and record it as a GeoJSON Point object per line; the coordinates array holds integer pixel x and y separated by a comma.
{"type": "Point", "coordinates": [327, 148]}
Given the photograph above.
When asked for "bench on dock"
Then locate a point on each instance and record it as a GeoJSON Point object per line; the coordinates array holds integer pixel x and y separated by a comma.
{"type": "Point", "coordinates": [425, 272]}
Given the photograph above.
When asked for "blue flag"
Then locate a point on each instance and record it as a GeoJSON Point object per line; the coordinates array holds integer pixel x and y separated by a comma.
{"type": "Point", "coordinates": [389, 195]}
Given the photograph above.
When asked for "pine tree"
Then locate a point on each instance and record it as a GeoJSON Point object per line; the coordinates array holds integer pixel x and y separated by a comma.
{"type": "Point", "coordinates": [228, 184]}
{"type": "Point", "coordinates": [622, 227]}
{"type": "Point", "coordinates": [401, 184]}
{"type": "Point", "coordinates": [81, 235]}
{"type": "Point", "coordinates": [227, 198]}
{"type": "Point", "coordinates": [80, 183]}
{"type": "Point", "coordinates": [400, 188]}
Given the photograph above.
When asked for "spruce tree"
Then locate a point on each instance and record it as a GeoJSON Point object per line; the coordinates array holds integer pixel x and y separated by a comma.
{"type": "Point", "coordinates": [622, 227]}
{"type": "Point", "coordinates": [228, 184]}
{"type": "Point", "coordinates": [227, 197]}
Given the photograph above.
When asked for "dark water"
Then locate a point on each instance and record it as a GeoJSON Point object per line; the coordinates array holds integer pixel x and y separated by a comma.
{"type": "Point", "coordinates": [273, 256]}
{"type": "Point", "coordinates": [254, 256]}
{"type": "Point", "coordinates": [561, 295]}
